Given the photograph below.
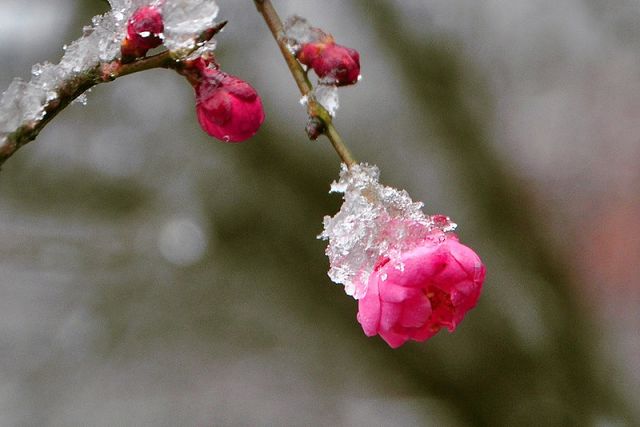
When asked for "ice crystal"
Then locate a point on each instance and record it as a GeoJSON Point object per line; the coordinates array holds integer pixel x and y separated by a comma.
{"type": "Point", "coordinates": [204, 49]}
{"type": "Point", "coordinates": [21, 102]}
{"type": "Point", "coordinates": [298, 31]}
{"type": "Point", "coordinates": [327, 96]}
{"type": "Point", "coordinates": [374, 221]}
{"type": "Point", "coordinates": [25, 102]}
{"type": "Point", "coordinates": [184, 20]}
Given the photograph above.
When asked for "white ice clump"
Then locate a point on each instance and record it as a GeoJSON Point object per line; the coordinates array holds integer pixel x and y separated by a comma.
{"type": "Point", "coordinates": [374, 221]}
{"type": "Point", "coordinates": [327, 96]}
{"type": "Point", "coordinates": [25, 102]}
{"type": "Point", "coordinates": [184, 20]}
{"type": "Point", "coordinates": [298, 32]}
{"type": "Point", "coordinates": [100, 43]}
{"type": "Point", "coordinates": [21, 102]}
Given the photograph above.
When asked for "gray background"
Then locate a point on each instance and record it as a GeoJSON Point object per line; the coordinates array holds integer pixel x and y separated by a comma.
{"type": "Point", "coordinates": [153, 276]}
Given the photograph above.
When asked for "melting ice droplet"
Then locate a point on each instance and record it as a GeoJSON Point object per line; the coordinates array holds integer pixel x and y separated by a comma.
{"type": "Point", "coordinates": [327, 96]}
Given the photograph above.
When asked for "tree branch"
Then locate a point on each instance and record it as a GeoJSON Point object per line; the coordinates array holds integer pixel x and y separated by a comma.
{"type": "Point", "coordinates": [101, 73]}
{"type": "Point", "coordinates": [314, 109]}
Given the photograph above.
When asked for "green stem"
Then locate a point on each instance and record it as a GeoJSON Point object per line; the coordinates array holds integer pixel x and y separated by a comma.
{"type": "Point", "coordinates": [314, 109]}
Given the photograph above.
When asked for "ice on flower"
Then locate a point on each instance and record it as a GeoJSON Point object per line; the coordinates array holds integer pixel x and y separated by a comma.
{"type": "Point", "coordinates": [184, 20]}
{"type": "Point", "coordinates": [109, 31]}
{"type": "Point", "coordinates": [374, 221]}
{"type": "Point", "coordinates": [298, 31]}
{"type": "Point", "coordinates": [327, 96]}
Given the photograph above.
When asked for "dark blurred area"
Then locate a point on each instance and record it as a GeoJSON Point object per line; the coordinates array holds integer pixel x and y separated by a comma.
{"type": "Point", "coordinates": [154, 276]}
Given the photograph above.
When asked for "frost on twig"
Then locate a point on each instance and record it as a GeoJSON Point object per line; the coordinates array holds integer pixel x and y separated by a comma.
{"type": "Point", "coordinates": [24, 104]}
{"type": "Point", "coordinates": [374, 221]}
{"type": "Point", "coordinates": [334, 64]}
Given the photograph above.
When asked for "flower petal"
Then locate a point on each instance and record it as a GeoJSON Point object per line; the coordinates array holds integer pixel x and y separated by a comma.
{"type": "Point", "coordinates": [369, 310]}
{"type": "Point", "coordinates": [394, 339]}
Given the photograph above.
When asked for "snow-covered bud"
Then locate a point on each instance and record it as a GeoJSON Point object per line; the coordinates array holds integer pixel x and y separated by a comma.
{"type": "Point", "coordinates": [228, 108]}
{"type": "Point", "coordinates": [333, 63]}
{"type": "Point", "coordinates": [144, 32]}
{"type": "Point", "coordinates": [428, 288]}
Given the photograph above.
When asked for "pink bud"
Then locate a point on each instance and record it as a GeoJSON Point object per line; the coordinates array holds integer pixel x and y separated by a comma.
{"type": "Point", "coordinates": [428, 288]}
{"type": "Point", "coordinates": [228, 108]}
{"type": "Point", "coordinates": [338, 64]}
{"type": "Point", "coordinates": [144, 32]}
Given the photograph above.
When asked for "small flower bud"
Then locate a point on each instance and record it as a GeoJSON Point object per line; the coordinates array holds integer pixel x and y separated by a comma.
{"type": "Point", "coordinates": [314, 128]}
{"type": "Point", "coordinates": [228, 108]}
{"type": "Point", "coordinates": [144, 32]}
{"type": "Point", "coordinates": [332, 62]}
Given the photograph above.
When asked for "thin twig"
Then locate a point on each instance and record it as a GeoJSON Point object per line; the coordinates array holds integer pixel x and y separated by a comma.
{"type": "Point", "coordinates": [314, 109]}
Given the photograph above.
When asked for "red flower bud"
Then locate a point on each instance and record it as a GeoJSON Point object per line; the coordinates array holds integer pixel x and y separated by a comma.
{"type": "Point", "coordinates": [144, 32]}
{"type": "Point", "coordinates": [228, 108]}
{"type": "Point", "coordinates": [338, 64]}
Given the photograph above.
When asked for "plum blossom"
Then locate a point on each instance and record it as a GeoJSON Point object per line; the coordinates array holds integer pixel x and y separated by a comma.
{"type": "Point", "coordinates": [408, 271]}
{"type": "Point", "coordinates": [427, 288]}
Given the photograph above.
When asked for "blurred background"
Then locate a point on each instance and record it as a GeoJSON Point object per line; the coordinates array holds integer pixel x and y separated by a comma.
{"type": "Point", "coordinates": [153, 276]}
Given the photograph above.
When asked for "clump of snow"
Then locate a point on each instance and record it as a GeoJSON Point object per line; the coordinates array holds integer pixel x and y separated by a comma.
{"type": "Point", "coordinates": [298, 31]}
{"type": "Point", "coordinates": [374, 221]}
{"type": "Point", "coordinates": [24, 102]}
{"type": "Point", "coordinates": [184, 20]}
{"type": "Point", "coordinates": [21, 102]}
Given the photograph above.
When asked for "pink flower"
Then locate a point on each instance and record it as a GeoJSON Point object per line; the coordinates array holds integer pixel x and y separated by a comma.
{"type": "Point", "coordinates": [338, 64]}
{"type": "Point", "coordinates": [228, 108]}
{"type": "Point", "coordinates": [429, 287]}
{"type": "Point", "coordinates": [144, 32]}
